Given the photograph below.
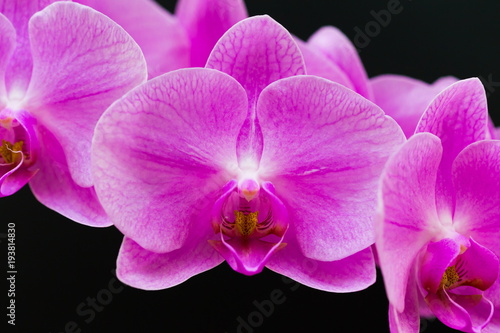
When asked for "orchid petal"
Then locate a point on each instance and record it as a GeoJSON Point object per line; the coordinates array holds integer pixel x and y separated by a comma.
{"type": "Point", "coordinates": [353, 273]}
{"type": "Point", "coordinates": [338, 49]}
{"type": "Point", "coordinates": [437, 258]}
{"type": "Point", "coordinates": [82, 62]}
{"type": "Point", "coordinates": [148, 270]}
{"type": "Point", "coordinates": [325, 147]}
{"type": "Point", "coordinates": [160, 154]}
{"type": "Point", "coordinates": [407, 320]}
{"type": "Point", "coordinates": [257, 51]}
{"type": "Point", "coordinates": [467, 313]}
{"type": "Point", "coordinates": [476, 179]}
{"type": "Point", "coordinates": [247, 256]}
{"type": "Point", "coordinates": [205, 21]}
{"type": "Point", "coordinates": [495, 133]}
{"type": "Point", "coordinates": [54, 187]}
{"type": "Point", "coordinates": [408, 216]}
{"type": "Point", "coordinates": [405, 98]}
{"type": "Point", "coordinates": [7, 45]}
{"type": "Point", "coordinates": [160, 35]}
{"type": "Point", "coordinates": [20, 66]}
{"type": "Point", "coordinates": [459, 117]}
{"type": "Point", "coordinates": [12, 179]}
{"type": "Point", "coordinates": [318, 64]}
{"type": "Point", "coordinates": [493, 294]}
{"type": "Point", "coordinates": [480, 266]}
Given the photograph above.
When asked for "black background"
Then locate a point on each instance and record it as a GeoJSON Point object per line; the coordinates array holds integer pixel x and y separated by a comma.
{"type": "Point", "coordinates": [62, 264]}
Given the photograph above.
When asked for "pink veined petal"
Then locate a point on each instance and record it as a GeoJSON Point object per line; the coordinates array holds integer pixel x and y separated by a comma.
{"type": "Point", "coordinates": [408, 218]}
{"type": "Point", "coordinates": [407, 320]}
{"type": "Point", "coordinates": [7, 45]}
{"type": "Point", "coordinates": [160, 154]}
{"type": "Point", "coordinates": [467, 313]}
{"type": "Point", "coordinates": [256, 52]}
{"type": "Point", "coordinates": [54, 187]}
{"type": "Point", "coordinates": [405, 98]}
{"type": "Point", "coordinates": [318, 64]}
{"type": "Point", "coordinates": [148, 270]}
{"type": "Point", "coordinates": [161, 37]}
{"type": "Point", "coordinates": [205, 21]}
{"type": "Point", "coordinates": [476, 179]}
{"type": "Point", "coordinates": [82, 62]}
{"type": "Point", "coordinates": [338, 49]}
{"type": "Point", "coordinates": [19, 68]}
{"type": "Point", "coordinates": [325, 147]}
{"type": "Point", "coordinates": [353, 273]}
{"type": "Point", "coordinates": [459, 117]}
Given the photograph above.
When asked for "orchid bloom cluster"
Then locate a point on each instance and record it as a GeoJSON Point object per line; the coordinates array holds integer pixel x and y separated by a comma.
{"type": "Point", "coordinates": [209, 136]}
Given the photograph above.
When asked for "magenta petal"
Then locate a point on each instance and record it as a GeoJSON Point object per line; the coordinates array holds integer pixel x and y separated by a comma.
{"type": "Point", "coordinates": [405, 99]}
{"type": "Point", "coordinates": [459, 117]}
{"type": "Point", "coordinates": [54, 187]}
{"type": "Point", "coordinates": [408, 218]}
{"type": "Point", "coordinates": [493, 294]}
{"type": "Point", "coordinates": [318, 64]}
{"type": "Point", "coordinates": [407, 320]}
{"type": "Point", "coordinates": [176, 136]}
{"type": "Point", "coordinates": [13, 179]}
{"type": "Point", "coordinates": [495, 133]}
{"type": "Point", "coordinates": [338, 49]}
{"type": "Point", "coordinates": [148, 270]}
{"type": "Point", "coordinates": [82, 62]}
{"type": "Point", "coordinates": [476, 179]}
{"type": "Point", "coordinates": [247, 256]}
{"type": "Point", "coordinates": [19, 69]}
{"type": "Point", "coordinates": [161, 37]}
{"type": "Point", "coordinates": [467, 313]}
{"type": "Point", "coordinates": [205, 21]}
{"type": "Point", "coordinates": [353, 273]}
{"type": "Point", "coordinates": [7, 45]}
{"type": "Point", "coordinates": [436, 259]}
{"type": "Point", "coordinates": [281, 218]}
{"type": "Point", "coordinates": [325, 147]}
{"type": "Point", "coordinates": [257, 51]}
{"type": "Point", "coordinates": [481, 266]}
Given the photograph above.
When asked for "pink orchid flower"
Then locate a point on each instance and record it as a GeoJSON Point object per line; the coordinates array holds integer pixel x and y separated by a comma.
{"type": "Point", "coordinates": [61, 67]}
{"type": "Point", "coordinates": [437, 230]}
{"type": "Point", "coordinates": [245, 160]}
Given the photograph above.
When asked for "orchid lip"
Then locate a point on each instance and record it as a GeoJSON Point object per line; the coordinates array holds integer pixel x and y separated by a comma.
{"type": "Point", "coordinates": [454, 273]}
{"type": "Point", "coordinates": [18, 150]}
{"type": "Point", "coordinates": [251, 222]}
